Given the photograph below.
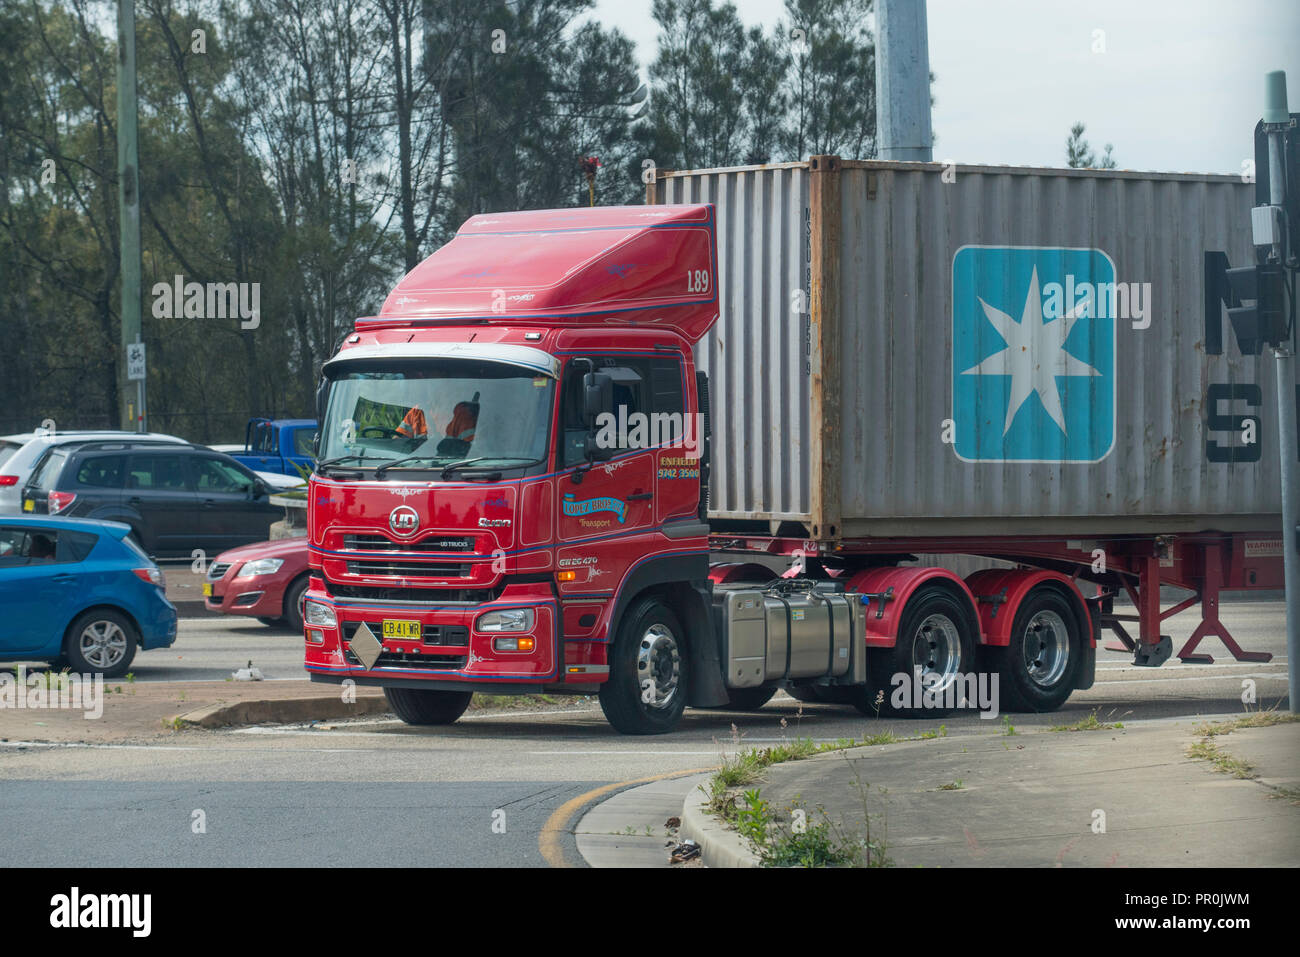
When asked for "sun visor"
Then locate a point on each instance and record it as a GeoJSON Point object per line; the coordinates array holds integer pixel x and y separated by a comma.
{"type": "Point", "coordinates": [525, 357]}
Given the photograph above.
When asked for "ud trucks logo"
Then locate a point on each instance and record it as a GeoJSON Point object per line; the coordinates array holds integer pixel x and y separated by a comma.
{"type": "Point", "coordinates": [593, 505]}
{"type": "Point", "coordinates": [1033, 354]}
{"type": "Point", "coordinates": [404, 520]}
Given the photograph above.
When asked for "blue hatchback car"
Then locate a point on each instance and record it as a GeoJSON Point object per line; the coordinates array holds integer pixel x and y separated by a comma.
{"type": "Point", "coordinates": [79, 593]}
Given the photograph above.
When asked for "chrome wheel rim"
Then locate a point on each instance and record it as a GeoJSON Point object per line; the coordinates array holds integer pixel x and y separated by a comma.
{"type": "Point", "coordinates": [936, 652]}
{"type": "Point", "coordinates": [103, 644]}
{"type": "Point", "coordinates": [1046, 648]}
{"type": "Point", "coordinates": [658, 667]}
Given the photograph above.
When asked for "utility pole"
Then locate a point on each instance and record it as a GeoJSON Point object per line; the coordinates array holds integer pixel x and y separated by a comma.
{"type": "Point", "coordinates": [1271, 230]}
{"type": "Point", "coordinates": [128, 192]}
{"type": "Point", "coordinates": [903, 81]}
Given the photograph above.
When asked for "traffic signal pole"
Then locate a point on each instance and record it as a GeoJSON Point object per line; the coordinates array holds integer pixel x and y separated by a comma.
{"type": "Point", "coordinates": [1276, 117]}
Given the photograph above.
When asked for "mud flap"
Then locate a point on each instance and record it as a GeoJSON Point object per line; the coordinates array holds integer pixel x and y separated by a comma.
{"type": "Point", "coordinates": [1086, 673]}
{"type": "Point", "coordinates": [706, 685]}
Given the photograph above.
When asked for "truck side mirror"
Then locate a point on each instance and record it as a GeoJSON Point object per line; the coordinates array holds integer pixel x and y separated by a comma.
{"type": "Point", "coordinates": [597, 396]}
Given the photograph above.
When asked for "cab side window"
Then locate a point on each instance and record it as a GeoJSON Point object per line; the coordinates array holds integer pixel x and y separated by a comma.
{"type": "Point", "coordinates": [646, 390]}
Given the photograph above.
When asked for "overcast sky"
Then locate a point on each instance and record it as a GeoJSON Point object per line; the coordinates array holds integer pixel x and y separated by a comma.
{"type": "Point", "coordinates": [1179, 86]}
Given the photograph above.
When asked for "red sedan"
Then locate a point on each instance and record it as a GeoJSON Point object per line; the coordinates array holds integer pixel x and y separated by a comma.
{"type": "Point", "coordinates": [267, 581]}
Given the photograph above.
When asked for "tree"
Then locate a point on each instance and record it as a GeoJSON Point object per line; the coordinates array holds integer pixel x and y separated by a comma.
{"type": "Point", "coordinates": [724, 95]}
{"type": "Point", "coordinates": [1080, 155]}
{"type": "Point", "coordinates": [831, 83]}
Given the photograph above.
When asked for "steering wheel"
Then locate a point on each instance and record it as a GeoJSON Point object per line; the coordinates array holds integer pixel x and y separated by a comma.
{"type": "Point", "coordinates": [382, 432]}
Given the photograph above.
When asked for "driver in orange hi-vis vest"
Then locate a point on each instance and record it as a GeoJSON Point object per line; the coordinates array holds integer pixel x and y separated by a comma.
{"type": "Point", "coordinates": [414, 425]}
{"type": "Point", "coordinates": [462, 425]}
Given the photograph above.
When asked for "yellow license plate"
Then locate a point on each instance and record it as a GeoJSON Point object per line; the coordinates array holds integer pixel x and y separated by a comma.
{"type": "Point", "coordinates": [29, 505]}
{"type": "Point", "coordinates": [207, 589]}
{"type": "Point", "coordinates": [400, 628]}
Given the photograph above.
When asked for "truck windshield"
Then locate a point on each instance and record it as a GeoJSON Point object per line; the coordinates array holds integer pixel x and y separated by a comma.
{"type": "Point", "coordinates": [432, 413]}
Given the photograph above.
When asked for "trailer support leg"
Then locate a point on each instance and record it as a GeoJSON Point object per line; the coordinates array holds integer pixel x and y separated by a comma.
{"type": "Point", "coordinates": [1210, 624]}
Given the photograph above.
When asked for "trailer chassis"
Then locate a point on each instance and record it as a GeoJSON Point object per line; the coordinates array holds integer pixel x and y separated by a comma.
{"type": "Point", "coordinates": [1205, 564]}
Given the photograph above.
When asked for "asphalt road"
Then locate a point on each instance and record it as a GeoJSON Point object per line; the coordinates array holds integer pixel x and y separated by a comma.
{"type": "Point", "coordinates": [375, 791]}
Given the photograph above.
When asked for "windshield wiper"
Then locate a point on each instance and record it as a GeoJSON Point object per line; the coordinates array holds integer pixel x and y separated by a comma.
{"type": "Point", "coordinates": [340, 459]}
{"type": "Point", "coordinates": [465, 463]}
{"type": "Point", "coordinates": [380, 470]}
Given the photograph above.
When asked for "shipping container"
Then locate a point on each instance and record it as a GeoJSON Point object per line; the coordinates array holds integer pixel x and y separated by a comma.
{"type": "Point", "coordinates": [927, 349]}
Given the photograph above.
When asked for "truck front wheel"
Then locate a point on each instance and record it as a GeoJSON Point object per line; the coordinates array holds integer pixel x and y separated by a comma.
{"type": "Point", "coordinates": [420, 706]}
{"type": "Point", "coordinates": [646, 690]}
{"type": "Point", "coordinates": [1036, 670]}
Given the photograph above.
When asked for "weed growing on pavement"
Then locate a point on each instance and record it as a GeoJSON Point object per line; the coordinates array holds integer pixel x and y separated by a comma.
{"type": "Point", "coordinates": [1090, 723]}
{"type": "Point", "coordinates": [952, 786]}
{"type": "Point", "coordinates": [1007, 727]}
{"type": "Point", "coordinates": [941, 733]}
{"type": "Point", "coordinates": [1208, 750]}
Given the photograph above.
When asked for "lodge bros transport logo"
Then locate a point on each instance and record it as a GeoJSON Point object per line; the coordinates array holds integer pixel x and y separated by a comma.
{"type": "Point", "coordinates": [593, 505]}
{"type": "Point", "coordinates": [1033, 344]}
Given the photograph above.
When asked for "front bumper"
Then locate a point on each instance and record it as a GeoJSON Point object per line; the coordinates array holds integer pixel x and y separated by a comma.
{"type": "Point", "coordinates": [449, 648]}
{"type": "Point", "coordinates": [261, 596]}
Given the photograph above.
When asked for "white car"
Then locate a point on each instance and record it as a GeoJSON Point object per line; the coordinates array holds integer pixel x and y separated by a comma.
{"type": "Point", "coordinates": [19, 454]}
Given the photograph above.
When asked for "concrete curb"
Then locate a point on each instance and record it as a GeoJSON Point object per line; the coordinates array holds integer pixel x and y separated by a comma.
{"type": "Point", "coordinates": [286, 711]}
{"type": "Point", "coordinates": [719, 845]}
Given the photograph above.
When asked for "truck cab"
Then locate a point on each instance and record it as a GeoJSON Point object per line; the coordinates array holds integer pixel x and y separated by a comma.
{"type": "Point", "coordinates": [281, 446]}
{"type": "Point", "coordinates": [508, 491]}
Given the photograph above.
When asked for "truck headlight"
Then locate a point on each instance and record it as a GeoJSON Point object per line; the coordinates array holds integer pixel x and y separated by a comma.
{"type": "Point", "coordinates": [510, 619]}
{"type": "Point", "coordinates": [263, 566]}
{"type": "Point", "coordinates": [314, 613]}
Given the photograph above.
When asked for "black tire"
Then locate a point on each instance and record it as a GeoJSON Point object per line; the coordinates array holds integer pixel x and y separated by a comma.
{"type": "Point", "coordinates": [1036, 670]}
{"type": "Point", "coordinates": [648, 660]}
{"type": "Point", "coordinates": [101, 641]}
{"type": "Point", "coordinates": [421, 706]}
{"type": "Point", "coordinates": [294, 596]}
{"type": "Point", "coordinates": [744, 699]}
{"type": "Point", "coordinates": [939, 632]}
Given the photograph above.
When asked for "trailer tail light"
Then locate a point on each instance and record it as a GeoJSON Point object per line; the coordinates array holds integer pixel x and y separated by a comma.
{"type": "Point", "coordinates": [7, 480]}
{"type": "Point", "coordinates": [59, 501]}
{"type": "Point", "coordinates": [151, 575]}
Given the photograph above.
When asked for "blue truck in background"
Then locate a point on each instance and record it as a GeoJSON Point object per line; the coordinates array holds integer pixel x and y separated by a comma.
{"type": "Point", "coordinates": [277, 445]}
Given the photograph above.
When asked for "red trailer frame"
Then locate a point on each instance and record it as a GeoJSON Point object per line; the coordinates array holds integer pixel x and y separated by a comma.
{"type": "Point", "coordinates": [1205, 564]}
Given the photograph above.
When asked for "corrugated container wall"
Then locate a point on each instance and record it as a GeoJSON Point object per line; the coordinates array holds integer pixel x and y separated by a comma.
{"type": "Point", "coordinates": [905, 349]}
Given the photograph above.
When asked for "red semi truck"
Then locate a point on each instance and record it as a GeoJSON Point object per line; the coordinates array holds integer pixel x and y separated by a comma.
{"type": "Point", "coordinates": [548, 466]}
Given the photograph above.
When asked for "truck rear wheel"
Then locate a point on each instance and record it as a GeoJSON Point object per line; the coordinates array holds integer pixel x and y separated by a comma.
{"type": "Point", "coordinates": [1036, 670]}
{"type": "Point", "coordinates": [421, 706]}
{"type": "Point", "coordinates": [937, 638]}
{"type": "Point", "coordinates": [646, 690]}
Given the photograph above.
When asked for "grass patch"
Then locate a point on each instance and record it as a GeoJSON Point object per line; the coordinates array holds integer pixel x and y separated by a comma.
{"type": "Point", "coordinates": [952, 786]}
{"type": "Point", "coordinates": [1208, 750]}
{"type": "Point", "coordinates": [797, 838]}
{"type": "Point", "coordinates": [1224, 763]}
{"type": "Point", "coordinates": [1090, 723]}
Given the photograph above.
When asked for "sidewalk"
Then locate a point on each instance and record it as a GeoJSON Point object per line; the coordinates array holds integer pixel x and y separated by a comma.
{"type": "Point", "coordinates": [1041, 799]}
